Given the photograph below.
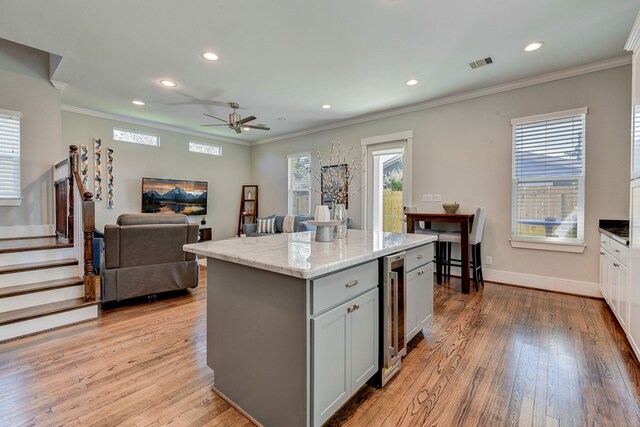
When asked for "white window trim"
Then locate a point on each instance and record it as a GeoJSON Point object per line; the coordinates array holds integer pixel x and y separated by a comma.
{"type": "Point", "coordinates": [13, 201]}
{"type": "Point", "coordinates": [289, 207]}
{"type": "Point", "coordinates": [136, 131]}
{"type": "Point", "coordinates": [537, 243]}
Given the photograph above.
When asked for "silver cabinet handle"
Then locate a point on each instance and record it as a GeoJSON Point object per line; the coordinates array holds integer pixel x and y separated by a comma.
{"type": "Point", "coordinates": [420, 256]}
{"type": "Point", "coordinates": [353, 308]}
{"type": "Point", "coordinates": [601, 253]}
{"type": "Point", "coordinates": [351, 284]}
{"type": "Point", "coordinates": [420, 273]}
{"type": "Point", "coordinates": [617, 250]}
{"type": "Point", "coordinates": [603, 241]}
{"type": "Point", "coordinates": [615, 264]}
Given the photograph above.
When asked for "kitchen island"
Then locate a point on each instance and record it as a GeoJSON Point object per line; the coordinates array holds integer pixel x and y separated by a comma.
{"type": "Point", "coordinates": [292, 324]}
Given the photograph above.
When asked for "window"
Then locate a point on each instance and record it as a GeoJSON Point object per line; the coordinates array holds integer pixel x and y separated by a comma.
{"type": "Point", "coordinates": [299, 183]}
{"type": "Point", "coordinates": [204, 148]}
{"type": "Point", "coordinates": [548, 178]}
{"type": "Point", "coordinates": [136, 137]}
{"type": "Point", "coordinates": [10, 191]}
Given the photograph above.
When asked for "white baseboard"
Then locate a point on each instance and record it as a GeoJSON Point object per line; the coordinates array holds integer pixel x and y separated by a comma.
{"type": "Point", "coordinates": [568, 286]}
{"type": "Point", "coordinates": [18, 231]}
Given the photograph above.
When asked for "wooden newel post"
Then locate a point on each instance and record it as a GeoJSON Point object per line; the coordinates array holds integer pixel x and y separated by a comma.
{"type": "Point", "coordinates": [73, 152]}
{"type": "Point", "coordinates": [89, 224]}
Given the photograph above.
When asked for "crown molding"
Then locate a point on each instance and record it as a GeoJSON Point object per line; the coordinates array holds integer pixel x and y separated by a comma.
{"type": "Point", "coordinates": [59, 85]}
{"type": "Point", "coordinates": [148, 123]}
{"type": "Point", "coordinates": [505, 87]}
{"type": "Point", "coordinates": [634, 36]}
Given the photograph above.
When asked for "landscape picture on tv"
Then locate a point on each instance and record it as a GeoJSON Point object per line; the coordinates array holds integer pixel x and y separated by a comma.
{"type": "Point", "coordinates": [174, 196]}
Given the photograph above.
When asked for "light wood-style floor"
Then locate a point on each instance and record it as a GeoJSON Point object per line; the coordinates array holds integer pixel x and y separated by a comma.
{"type": "Point", "coordinates": [501, 356]}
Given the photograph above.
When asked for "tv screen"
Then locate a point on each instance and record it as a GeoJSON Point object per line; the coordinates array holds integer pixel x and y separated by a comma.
{"type": "Point", "coordinates": [174, 196]}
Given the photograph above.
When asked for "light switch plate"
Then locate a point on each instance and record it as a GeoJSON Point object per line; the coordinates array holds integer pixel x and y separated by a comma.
{"type": "Point", "coordinates": [437, 197]}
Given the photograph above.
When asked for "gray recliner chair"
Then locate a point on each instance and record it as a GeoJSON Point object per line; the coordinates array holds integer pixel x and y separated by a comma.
{"type": "Point", "coordinates": [143, 256]}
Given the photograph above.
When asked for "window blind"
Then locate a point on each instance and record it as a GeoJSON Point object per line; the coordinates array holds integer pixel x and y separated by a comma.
{"type": "Point", "coordinates": [10, 156]}
{"type": "Point", "coordinates": [299, 183]}
{"type": "Point", "coordinates": [548, 178]}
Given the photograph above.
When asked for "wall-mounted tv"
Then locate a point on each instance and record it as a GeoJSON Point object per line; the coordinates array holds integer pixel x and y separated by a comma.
{"type": "Point", "coordinates": [174, 196]}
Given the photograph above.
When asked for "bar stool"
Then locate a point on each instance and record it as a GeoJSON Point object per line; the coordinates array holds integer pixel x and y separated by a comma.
{"type": "Point", "coordinates": [439, 247]}
{"type": "Point", "coordinates": [475, 240]}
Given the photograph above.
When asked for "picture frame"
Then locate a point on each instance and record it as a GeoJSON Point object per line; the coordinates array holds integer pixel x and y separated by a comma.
{"type": "Point", "coordinates": [250, 192]}
{"type": "Point", "coordinates": [325, 187]}
{"type": "Point", "coordinates": [249, 208]}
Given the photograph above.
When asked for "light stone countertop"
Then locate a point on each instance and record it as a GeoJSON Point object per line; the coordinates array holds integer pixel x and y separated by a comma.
{"type": "Point", "coordinates": [299, 255]}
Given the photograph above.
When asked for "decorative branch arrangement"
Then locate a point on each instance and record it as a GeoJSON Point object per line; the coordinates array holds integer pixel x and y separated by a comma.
{"type": "Point", "coordinates": [336, 180]}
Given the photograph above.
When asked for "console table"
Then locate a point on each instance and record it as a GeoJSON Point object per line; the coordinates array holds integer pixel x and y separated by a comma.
{"type": "Point", "coordinates": [465, 221]}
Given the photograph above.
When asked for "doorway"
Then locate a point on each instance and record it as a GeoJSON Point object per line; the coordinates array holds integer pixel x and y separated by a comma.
{"type": "Point", "coordinates": [388, 175]}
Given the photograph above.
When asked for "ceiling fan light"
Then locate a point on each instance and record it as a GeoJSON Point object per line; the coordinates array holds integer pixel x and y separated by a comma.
{"type": "Point", "coordinates": [326, 106]}
{"type": "Point", "coordinates": [210, 56]}
{"type": "Point", "coordinates": [412, 82]}
{"type": "Point", "coordinates": [246, 129]}
{"type": "Point", "coordinates": [138, 102]}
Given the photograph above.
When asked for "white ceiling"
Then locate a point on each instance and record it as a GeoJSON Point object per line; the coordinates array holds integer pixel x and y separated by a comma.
{"type": "Point", "coordinates": [285, 58]}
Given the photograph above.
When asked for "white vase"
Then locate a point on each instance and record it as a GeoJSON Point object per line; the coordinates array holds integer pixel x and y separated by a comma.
{"type": "Point", "coordinates": [340, 214]}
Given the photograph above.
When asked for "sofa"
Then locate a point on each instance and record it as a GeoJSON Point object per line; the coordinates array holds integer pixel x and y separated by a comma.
{"type": "Point", "coordinates": [143, 256]}
{"type": "Point", "coordinates": [299, 224]}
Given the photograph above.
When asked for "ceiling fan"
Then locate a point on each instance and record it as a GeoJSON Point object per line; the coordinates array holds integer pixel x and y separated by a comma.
{"type": "Point", "coordinates": [235, 122]}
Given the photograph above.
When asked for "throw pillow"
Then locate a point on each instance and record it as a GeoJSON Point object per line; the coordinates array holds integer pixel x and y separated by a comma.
{"type": "Point", "coordinates": [266, 225]}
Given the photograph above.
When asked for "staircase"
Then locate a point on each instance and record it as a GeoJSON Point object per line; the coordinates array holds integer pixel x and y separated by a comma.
{"type": "Point", "coordinates": [39, 287]}
{"type": "Point", "coordinates": [47, 281]}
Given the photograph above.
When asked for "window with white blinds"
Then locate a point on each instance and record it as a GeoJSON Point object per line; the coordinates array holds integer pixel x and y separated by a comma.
{"type": "Point", "coordinates": [548, 178]}
{"type": "Point", "coordinates": [9, 156]}
{"type": "Point", "coordinates": [299, 183]}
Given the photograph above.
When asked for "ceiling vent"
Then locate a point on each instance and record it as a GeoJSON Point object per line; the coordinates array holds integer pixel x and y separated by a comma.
{"type": "Point", "coordinates": [481, 62]}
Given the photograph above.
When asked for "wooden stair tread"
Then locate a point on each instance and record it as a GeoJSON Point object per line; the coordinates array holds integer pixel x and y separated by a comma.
{"type": "Point", "coordinates": [44, 236]}
{"type": "Point", "coordinates": [16, 268]}
{"type": "Point", "coordinates": [33, 244]}
{"type": "Point", "coordinates": [43, 310]}
{"type": "Point", "coordinates": [12, 291]}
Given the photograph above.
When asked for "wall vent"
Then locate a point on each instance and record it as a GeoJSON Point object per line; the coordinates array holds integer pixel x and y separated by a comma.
{"type": "Point", "coordinates": [481, 62]}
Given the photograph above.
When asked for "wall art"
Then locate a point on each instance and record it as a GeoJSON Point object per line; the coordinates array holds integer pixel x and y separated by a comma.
{"type": "Point", "coordinates": [109, 178]}
{"type": "Point", "coordinates": [97, 164]}
{"type": "Point", "coordinates": [84, 165]}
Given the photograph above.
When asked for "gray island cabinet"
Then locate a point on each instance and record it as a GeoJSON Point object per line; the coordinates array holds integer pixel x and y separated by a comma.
{"type": "Point", "coordinates": [293, 324]}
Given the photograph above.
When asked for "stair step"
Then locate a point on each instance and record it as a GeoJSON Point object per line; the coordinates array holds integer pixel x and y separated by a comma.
{"type": "Point", "coordinates": [32, 244]}
{"type": "Point", "coordinates": [17, 268]}
{"type": "Point", "coordinates": [43, 310]}
{"type": "Point", "coordinates": [12, 291]}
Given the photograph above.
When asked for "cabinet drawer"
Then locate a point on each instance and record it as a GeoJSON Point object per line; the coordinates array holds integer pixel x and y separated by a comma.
{"type": "Point", "coordinates": [619, 251]}
{"type": "Point", "coordinates": [604, 241]}
{"type": "Point", "coordinates": [338, 287]}
{"type": "Point", "coordinates": [419, 256]}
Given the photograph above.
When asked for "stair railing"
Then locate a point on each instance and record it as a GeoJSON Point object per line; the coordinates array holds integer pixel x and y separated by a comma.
{"type": "Point", "coordinates": [75, 222]}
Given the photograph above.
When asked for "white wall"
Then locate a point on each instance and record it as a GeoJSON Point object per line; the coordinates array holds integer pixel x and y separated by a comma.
{"type": "Point", "coordinates": [25, 87]}
{"type": "Point", "coordinates": [463, 151]}
{"type": "Point", "coordinates": [172, 159]}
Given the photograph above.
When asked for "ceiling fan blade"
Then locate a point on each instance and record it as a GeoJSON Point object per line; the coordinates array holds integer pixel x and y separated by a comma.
{"type": "Point", "coordinates": [246, 119]}
{"type": "Point", "coordinates": [214, 117]}
{"type": "Point", "coordinates": [237, 129]}
{"type": "Point", "coordinates": [222, 124]}
{"type": "Point", "coordinates": [261, 127]}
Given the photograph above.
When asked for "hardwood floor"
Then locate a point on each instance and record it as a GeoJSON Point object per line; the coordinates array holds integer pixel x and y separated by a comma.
{"type": "Point", "coordinates": [501, 356]}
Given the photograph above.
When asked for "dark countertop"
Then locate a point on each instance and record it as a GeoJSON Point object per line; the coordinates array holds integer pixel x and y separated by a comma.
{"type": "Point", "coordinates": [617, 229]}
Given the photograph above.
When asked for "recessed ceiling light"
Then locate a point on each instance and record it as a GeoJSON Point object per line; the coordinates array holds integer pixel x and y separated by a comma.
{"type": "Point", "coordinates": [210, 56]}
{"type": "Point", "coordinates": [412, 82]}
{"type": "Point", "coordinates": [326, 106]}
{"type": "Point", "coordinates": [138, 102]}
{"type": "Point", "coordinates": [246, 129]}
{"type": "Point", "coordinates": [168, 83]}
{"type": "Point", "coordinates": [533, 46]}
{"type": "Point", "coordinates": [282, 119]}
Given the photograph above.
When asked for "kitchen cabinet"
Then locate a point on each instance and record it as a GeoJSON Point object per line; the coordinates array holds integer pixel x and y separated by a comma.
{"type": "Point", "coordinates": [345, 352]}
{"type": "Point", "coordinates": [614, 278]}
{"type": "Point", "coordinates": [419, 296]}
